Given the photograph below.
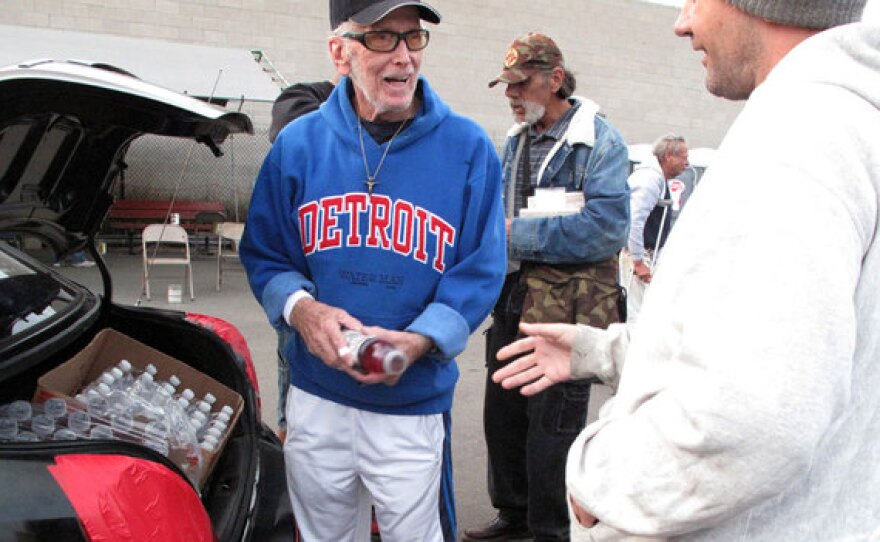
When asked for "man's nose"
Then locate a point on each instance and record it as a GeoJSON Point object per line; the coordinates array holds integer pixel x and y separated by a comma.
{"type": "Point", "coordinates": [401, 52]}
{"type": "Point", "coordinates": [682, 26]}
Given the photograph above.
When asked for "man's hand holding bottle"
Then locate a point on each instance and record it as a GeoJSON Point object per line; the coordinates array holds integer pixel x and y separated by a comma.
{"type": "Point", "coordinates": [322, 327]}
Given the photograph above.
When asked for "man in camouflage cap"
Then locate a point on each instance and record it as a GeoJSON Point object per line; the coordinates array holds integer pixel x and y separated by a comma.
{"type": "Point", "coordinates": [526, 54]}
{"type": "Point", "coordinates": [564, 269]}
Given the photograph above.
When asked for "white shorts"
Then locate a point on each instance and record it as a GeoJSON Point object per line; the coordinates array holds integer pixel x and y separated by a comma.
{"type": "Point", "coordinates": [340, 461]}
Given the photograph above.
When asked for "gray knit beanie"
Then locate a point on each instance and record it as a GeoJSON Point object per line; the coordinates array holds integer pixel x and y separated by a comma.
{"type": "Point", "coordinates": [819, 14]}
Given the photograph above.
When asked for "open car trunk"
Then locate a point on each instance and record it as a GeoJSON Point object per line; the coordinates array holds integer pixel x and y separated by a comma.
{"type": "Point", "coordinates": [65, 129]}
{"type": "Point", "coordinates": [230, 497]}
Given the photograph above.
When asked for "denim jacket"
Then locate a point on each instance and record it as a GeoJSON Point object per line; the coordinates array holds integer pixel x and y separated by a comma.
{"type": "Point", "coordinates": [592, 158]}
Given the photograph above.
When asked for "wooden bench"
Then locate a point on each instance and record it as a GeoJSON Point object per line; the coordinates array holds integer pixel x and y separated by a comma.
{"type": "Point", "coordinates": [130, 216]}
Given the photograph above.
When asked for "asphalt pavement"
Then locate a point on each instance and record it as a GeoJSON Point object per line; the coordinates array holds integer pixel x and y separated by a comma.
{"type": "Point", "coordinates": [235, 304]}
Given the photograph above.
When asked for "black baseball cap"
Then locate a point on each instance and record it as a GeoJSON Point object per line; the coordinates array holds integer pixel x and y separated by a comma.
{"type": "Point", "coordinates": [369, 11]}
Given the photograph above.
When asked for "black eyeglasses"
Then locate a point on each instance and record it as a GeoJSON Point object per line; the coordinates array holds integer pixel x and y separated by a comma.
{"type": "Point", "coordinates": [385, 41]}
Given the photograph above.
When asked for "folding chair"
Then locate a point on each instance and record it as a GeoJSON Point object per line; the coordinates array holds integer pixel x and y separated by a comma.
{"type": "Point", "coordinates": [159, 234]}
{"type": "Point", "coordinates": [231, 231]}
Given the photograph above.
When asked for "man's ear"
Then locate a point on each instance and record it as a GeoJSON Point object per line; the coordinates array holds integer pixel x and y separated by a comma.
{"type": "Point", "coordinates": [663, 159]}
{"type": "Point", "coordinates": [557, 77]}
{"type": "Point", "coordinates": [339, 56]}
{"type": "Point", "coordinates": [664, 162]}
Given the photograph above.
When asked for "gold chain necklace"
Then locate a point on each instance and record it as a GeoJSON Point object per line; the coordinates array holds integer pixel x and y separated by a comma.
{"type": "Point", "coordinates": [371, 179]}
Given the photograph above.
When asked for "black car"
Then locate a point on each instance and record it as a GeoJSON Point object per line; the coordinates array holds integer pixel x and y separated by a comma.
{"type": "Point", "coordinates": [65, 128]}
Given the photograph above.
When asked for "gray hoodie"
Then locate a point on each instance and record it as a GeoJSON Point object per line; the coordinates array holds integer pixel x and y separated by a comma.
{"type": "Point", "coordinates": [748, 404]}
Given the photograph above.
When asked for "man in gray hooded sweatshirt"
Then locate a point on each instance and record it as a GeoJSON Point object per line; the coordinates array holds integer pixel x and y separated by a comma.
{"type": "Point", "coordinates": [747, 404]}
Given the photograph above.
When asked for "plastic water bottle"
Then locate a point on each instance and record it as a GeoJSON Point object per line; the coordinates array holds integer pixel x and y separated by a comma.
{"type": "Point", "coordinates": [96, 404]}
{"type": "Point", "coordinates": [19, 410]}
{"type": "Point", "coordinates": [8, 428]}
{"type": "Point", "coordinates": [65, 434]}
{"type": "Point", "coordinates": [43, 426]}
{"type": "Point", "coordinates": [157, 430]}
{"type": "Point", "coordinates": [198, 420]}
{"type": "Point", "coordinates": [174, 381]}
{"type": "Point", "coordinates": [118, 378]}
{"type": "Point", "coordinates": [149, 397]}
{"type": "Point", "coordinates": [118, 400]}
{"type": "Point", "coordinates": [100, 432]}
{"type": "Point", "coordinates": [181, 431]}
{"type": "Point", "coordinates": [132, 374]}
{"type": "Point", "coordinates": [223, 415]}
{"type": "Point", "coordinates": [121, 423]}
{"type": "Point", "coordinates": [151, 402]}
{"type": "Point", "coordinates": [127, 378]}
{"type": "Point", "coordinates": [201, 406]}
{"type": "Point", "coordinates": [180, 407]}
{"type": "Point", "coordinates": [170, 385]}
{"type": "Point", "coordinates": [164, 393]}
{"type": "Point", "coordinates": [79, 422]}
{"type": "Point", "coordinates": [105, 378]}
{"type": "Point", "coordinates": [208, 447]}
{"type": "Point", "coordinates": [374, 355]}
{"type": "Point", "coordinates": [193, 462]}
{"type": "Point", "coordinates": [27, 436]}
{"type": "Point", "coordinates": [151, 370]}
{"type": "Point", "coordinates": [55, 407]}
{"type": "Point", "coordinates": [144, 386]}
{"type": "Point", "coordinates": [215, 430]}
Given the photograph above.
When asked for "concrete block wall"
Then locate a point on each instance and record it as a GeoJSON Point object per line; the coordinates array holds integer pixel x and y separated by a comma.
{"type": "Point", "coordinates": [623, 52]}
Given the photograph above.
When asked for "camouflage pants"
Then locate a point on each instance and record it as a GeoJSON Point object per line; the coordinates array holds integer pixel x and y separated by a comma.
{"type": "Point", "coordinates": [572, 293]}
{"type": "Point", "coordinates": [528, 438]}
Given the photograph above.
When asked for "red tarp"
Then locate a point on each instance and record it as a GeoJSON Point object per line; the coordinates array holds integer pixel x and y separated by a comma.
{"type": "Point", "coordinates": [236, 340]}
{"type": "Point", "coordinates": [121, 498]}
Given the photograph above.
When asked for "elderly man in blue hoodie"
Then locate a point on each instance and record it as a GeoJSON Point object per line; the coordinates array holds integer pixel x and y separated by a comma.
{"type": "Point", "coordinates": [381, 213]}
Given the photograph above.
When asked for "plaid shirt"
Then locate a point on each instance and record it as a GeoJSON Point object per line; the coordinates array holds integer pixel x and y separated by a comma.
{"type": "Point", "coordinates": [538, 146]}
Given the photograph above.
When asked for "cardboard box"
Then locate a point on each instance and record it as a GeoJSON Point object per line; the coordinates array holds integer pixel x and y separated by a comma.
{"type": "Point", "coordinates": [107, 349]}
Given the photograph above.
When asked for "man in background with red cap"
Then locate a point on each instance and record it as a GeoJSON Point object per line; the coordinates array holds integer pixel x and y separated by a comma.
{"type": "Point", "coordinates": [563, 267]}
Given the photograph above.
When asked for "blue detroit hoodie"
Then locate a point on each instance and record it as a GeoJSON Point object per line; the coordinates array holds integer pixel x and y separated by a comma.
{"type": "Point", "coordinates": [425, 254]}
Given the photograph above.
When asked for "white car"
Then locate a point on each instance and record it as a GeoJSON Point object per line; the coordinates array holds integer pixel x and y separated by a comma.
{"type": "Point", "coordinates": [65, 128]}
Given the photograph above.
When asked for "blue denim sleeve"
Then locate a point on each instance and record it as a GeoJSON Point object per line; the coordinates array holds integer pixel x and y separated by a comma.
{"type": "Point", "coordinates": [601, 227]}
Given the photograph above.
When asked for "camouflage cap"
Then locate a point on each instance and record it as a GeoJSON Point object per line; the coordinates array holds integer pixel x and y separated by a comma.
{"type": "Point", "coordinates": [531, 51]}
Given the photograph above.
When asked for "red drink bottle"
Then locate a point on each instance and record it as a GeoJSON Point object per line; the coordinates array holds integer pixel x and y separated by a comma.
{"type": "Point", "coordinates": [373, 355]}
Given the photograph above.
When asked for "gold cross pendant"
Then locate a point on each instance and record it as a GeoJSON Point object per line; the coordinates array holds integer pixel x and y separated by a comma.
{"type": "Point", "coordinates": [370, 182]}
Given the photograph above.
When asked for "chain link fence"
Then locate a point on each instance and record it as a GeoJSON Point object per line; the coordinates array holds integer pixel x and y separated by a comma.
{"type": "Point", "coordinates": [162, 168]}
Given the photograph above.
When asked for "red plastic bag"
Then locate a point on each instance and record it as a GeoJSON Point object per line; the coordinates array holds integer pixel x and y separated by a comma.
{"type": "Point", "coordinates": [236, 340]}
{"type": "Point", "coordinates": [121, 498]}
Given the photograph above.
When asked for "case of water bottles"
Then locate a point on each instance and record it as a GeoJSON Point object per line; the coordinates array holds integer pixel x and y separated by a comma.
{"type": "Point", "coordinates": [126, 390]}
